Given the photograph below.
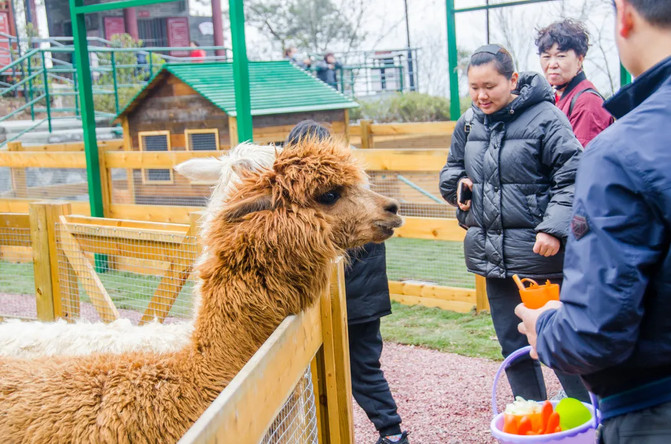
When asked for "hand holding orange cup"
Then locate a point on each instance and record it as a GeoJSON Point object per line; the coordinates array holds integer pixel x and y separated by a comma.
{"type": "Point", "coordinates": [535, 296]}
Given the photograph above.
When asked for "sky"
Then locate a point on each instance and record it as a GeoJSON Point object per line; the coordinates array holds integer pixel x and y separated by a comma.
{"type": "Point", "coordinates": [513, 27]}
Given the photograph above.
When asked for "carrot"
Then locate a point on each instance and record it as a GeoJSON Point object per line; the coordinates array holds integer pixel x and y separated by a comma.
{"type": "Point", "coordinates": [553, 423]}
{"type": "Point", "coordinates": [510, 424]}
{"type": "Point", "coordinates": [545, 416]}
{"type": "Point", "coordinates": [525, 426]}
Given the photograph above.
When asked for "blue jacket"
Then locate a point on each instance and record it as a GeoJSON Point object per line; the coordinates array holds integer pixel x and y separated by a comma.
{"type": "Point", "coordinates": [614, 328]}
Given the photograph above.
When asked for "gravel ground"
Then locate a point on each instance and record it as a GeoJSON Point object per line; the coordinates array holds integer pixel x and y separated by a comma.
{"type": "Point", "coordinates": [441, 397]}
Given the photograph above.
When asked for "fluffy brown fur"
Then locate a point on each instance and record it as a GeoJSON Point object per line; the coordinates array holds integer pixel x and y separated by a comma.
{"type": "Point", "coordinates": [271, 247]}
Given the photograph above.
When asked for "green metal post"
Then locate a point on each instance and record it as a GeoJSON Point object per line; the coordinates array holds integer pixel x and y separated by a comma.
{"type": "Point", "coordinates": [82, 64]}
{"type": "Point", "coordinates": [400, 76]}
{"type": "Point", "coordinates": [30, 89]}
{"type": "Point", "coordinates": [151, 65]}
{"type": "Point", "coordinates": [341, 75]}
{"type": "Point", "coordinates": [455, 111]}
{"type": "Point", "coordinates": [625, 77]}
{"type": "Point", "coordinates": [243, 107]}
{"type": "Point", "coordinates": [46, 91]}
{"type": "Point", "coordinates": [114, 82]}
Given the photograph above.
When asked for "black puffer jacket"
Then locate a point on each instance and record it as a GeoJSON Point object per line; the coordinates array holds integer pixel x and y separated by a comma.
{"type": "Point", "coordinates": [366, 284]}
{"type": "Point", "coordinates": [522, 161]}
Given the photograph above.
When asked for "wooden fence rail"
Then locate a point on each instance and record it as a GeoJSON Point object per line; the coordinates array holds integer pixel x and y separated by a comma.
{"type": "Point", "coordinates": [412, 160]}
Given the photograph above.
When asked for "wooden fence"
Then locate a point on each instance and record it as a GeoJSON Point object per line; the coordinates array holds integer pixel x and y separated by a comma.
{"type": "Point", "coordinates": [407, 160]}
{"type": "Point", "coordinates": [315, 339]}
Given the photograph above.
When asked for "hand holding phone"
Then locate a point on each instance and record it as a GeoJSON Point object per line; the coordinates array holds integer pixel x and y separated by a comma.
{"type": "Point", "coordinates": [465, 194]}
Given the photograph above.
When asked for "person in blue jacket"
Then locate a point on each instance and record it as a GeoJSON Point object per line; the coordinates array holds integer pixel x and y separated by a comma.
{"type": "Point", "coordinates": [613, 324]}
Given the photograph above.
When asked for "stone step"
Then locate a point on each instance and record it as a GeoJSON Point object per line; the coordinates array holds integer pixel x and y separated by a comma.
{"type": "Point", "coordinates": [13, 127]}
{"type": "Point", "coordinates": [67, 136]}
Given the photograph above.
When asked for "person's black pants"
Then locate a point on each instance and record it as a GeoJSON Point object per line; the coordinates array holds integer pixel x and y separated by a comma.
{"type": "Point", "coordinates": [648, 426]}
{"type": "Point", "coordinates": [525, 376]}
{"type": "Point", "coordinates": [369, 387]}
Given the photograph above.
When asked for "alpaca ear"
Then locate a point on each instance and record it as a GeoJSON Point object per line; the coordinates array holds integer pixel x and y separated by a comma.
{"type": "Point", "coordinates": [201, 170]}
{"type": "Point", "coordinates": [237, 210]}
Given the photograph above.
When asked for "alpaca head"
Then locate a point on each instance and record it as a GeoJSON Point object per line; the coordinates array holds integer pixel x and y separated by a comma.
{"type": "Point", "coordinates": [319, 179]}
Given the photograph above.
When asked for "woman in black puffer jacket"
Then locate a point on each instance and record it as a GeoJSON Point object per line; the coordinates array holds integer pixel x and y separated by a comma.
{"type": "Point", "coordinates": [514, 150]}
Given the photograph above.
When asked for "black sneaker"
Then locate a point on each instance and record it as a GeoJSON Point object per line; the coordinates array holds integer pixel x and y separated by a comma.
{"type": "Point", "coordinates": [403, 440]}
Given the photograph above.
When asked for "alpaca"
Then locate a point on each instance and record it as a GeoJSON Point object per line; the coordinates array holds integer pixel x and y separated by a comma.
{"type": "Point", "coordinates": [270, 250]}
{"type": "Point", "coordinates": [32, 339]}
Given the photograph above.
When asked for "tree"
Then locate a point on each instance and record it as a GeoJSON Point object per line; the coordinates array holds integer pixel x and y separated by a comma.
{"type": "Point", "coordinates": [314, 25]}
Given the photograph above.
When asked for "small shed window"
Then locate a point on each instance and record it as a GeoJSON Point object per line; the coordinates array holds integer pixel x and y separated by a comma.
{"type": "Point", "coordinates": [155, 141]}
{"type": "Point", "coordinates": [202, 139]}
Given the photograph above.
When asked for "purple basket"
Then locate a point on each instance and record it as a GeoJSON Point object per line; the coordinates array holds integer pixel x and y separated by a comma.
{"type": "Point", "coordinates": [585, 434]}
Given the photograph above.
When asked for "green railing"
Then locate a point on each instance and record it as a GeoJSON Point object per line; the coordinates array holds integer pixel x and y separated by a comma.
{"type": "Point", "coordinates": [46, 80]}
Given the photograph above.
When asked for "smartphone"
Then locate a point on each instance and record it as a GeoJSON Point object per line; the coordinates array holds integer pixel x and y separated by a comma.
{"type": "Point", "coordinates": [465, 194]}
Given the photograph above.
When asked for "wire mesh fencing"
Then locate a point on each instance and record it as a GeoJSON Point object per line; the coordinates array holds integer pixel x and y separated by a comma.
{"type": "Point", "coordinates": [432, 262]}
{"type": "Point", "coordinates": [111, 272]}
{"type": "Point", "coordinates": [137, 186]}
{"type": "Point", "coordinates": [297, 420]}
{"type": "Point", "coordinates": [17, 277]}
{"type": "Point", "coordinates": [44, 183]}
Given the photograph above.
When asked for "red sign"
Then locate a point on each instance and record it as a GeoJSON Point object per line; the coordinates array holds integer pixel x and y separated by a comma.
{"type": "Point", "coordinates": [113, 26]}
{"type": "Point", "coordinates": [4, 46]}
{"type": "Point", "coordinates": [143, 13]}
{"type": "Point", "coordinates": [178, 34]}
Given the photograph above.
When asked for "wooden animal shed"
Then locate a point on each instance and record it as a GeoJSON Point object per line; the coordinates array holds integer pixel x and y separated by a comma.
{"type": "Point", "coordinates": [192, 107]}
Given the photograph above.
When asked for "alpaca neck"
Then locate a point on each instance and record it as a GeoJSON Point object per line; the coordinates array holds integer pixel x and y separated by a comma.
{"type": "Point", "coordinates": [241, 309]}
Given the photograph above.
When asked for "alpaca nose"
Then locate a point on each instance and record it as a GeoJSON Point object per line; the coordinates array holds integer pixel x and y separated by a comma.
{"type": "Point", "coordinates": [391, 206]}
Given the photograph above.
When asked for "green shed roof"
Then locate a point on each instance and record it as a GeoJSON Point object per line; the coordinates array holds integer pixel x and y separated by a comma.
{"type": "Point", "coordinates": [275, 87]}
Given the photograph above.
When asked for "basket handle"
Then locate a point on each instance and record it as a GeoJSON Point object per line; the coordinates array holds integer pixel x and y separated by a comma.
{"type": "Point", "coordinates": [512, 358]}
{"type": "Point", "coordinates": [504, 365]}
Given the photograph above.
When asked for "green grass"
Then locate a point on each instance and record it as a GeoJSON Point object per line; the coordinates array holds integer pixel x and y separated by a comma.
{"type": "Point", "coordinates": [467, 334]}
{"type": "Point", "coordinates": [128, 290]}
{"type": "Point", "coordinates": [439, 262]}
{"type": "Point", "coordinates": [17, 278]}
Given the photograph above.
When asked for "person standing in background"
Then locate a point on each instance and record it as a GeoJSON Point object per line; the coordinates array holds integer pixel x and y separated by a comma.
{"type": "Point", "coordinates": [327, 70]}
{"type": "Point", "coordinates": [197, 54]}
{"type": "Point", "coordinates": [367, 290]}
{"type": "Point", "coordinates": [562, 47]}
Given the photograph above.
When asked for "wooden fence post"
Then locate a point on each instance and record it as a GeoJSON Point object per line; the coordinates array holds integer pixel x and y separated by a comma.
{"type": "Point", "coordinates": [334, 382]}
{"type": "Point", "coordinates": [18, 175]}
{"type": "Point", "coordinates": [233, 131]}
{"type": "Point", "coordinates": [43, 219]}
{"type": "Point", "coordinates": [105, 181]}
{"type": "Point", "coordinates": [366, 136]}
{"type": "Point", "coordinates": [481, 301]}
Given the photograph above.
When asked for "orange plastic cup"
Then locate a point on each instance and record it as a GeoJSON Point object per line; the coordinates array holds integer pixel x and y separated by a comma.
{"type": "Point", "coordinates": [535, 296]}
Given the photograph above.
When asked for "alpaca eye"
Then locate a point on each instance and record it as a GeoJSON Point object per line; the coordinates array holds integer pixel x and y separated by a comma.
{"type": "Point", "coordinates": [328, 198]}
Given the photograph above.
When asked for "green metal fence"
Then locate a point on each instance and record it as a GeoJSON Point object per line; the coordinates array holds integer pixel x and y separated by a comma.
{"type": "Point", "coordinates": [46, 80]}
